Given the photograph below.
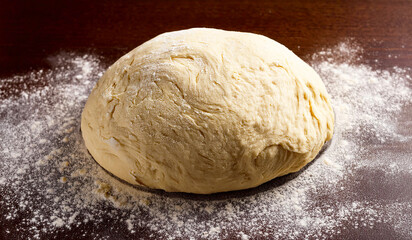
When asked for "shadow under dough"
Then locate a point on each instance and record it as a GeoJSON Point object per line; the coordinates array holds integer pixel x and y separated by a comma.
{"type": "Point", "coordinates": [274, 183]}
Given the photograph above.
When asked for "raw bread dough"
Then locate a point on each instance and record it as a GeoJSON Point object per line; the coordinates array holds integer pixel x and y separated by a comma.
{"type": "Point", "coordinates": [206, 110]}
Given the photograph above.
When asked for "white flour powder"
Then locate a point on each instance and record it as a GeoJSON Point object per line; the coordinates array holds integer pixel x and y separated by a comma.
{"type": "Point", "coordinates": [49, 183]}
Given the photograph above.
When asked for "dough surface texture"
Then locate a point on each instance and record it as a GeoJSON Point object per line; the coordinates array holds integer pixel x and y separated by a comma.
{"type": "Point", "coordinates": [206, 110]}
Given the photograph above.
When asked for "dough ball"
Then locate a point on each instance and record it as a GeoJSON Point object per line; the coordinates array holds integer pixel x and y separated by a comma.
{"type": "Point", "coordinates": [206, 110]}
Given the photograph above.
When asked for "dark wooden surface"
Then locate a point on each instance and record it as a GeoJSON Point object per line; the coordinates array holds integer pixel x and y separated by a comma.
{"type": "Point", "coordinates": [32, 31]}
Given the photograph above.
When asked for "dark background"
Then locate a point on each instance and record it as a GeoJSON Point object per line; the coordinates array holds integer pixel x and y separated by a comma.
{"type": "Point", "coordinates": [32, 31]}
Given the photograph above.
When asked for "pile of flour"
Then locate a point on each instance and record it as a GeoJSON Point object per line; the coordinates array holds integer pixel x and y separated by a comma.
{"type": "Point", "coordinates": [49, 184]}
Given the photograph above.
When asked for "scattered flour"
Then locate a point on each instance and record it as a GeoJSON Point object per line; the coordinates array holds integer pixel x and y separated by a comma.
{"type": "Point", "coordinates": [49, 184]}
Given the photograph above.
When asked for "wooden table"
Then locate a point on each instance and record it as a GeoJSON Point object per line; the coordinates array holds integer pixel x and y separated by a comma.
{"type": "Point", "coordinates": [32, 31]}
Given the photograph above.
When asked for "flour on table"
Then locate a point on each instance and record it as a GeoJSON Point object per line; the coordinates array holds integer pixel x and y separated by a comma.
{"type": "Point", "coordinates": [47, 173]}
